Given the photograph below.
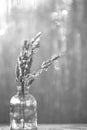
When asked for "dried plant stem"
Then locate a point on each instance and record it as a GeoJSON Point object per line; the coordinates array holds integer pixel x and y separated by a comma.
{"type": "Point", "coordinates": [23, 117]}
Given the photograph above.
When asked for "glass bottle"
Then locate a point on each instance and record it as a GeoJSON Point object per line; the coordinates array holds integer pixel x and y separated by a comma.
{"type": "Point", "coordinates": [23, 111]}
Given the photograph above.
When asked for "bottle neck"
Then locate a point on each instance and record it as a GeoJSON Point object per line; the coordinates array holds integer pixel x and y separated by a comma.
{"type": "Point", "coordinates": [24, 91]}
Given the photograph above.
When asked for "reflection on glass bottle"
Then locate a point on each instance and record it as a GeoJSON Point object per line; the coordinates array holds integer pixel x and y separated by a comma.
{"type": "Point", "coordinates": [23, 111]}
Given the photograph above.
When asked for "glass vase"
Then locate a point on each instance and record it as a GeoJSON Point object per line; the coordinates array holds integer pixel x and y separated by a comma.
{"type": "Point", "coordinates": [23, 111]}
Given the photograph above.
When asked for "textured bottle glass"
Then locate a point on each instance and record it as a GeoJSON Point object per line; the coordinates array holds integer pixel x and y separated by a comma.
{"type": "Point", "coordinates": [23, 111]}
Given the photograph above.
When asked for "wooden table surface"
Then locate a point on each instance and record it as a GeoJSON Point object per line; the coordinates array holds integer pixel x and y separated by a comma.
{"type": "Point", "coordinates": [55, 127]}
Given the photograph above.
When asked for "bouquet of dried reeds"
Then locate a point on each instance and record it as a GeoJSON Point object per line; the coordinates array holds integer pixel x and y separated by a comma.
{"type": "Point", "coordinates": [24, 76]}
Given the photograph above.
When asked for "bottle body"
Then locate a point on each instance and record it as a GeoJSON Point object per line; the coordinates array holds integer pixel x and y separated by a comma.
{"type": "Point", "coordinates": [23, 112]}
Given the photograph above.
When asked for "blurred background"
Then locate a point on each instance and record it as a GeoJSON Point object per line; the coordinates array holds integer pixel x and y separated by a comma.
{"type": "Point", "coordinates": [61, 92]}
